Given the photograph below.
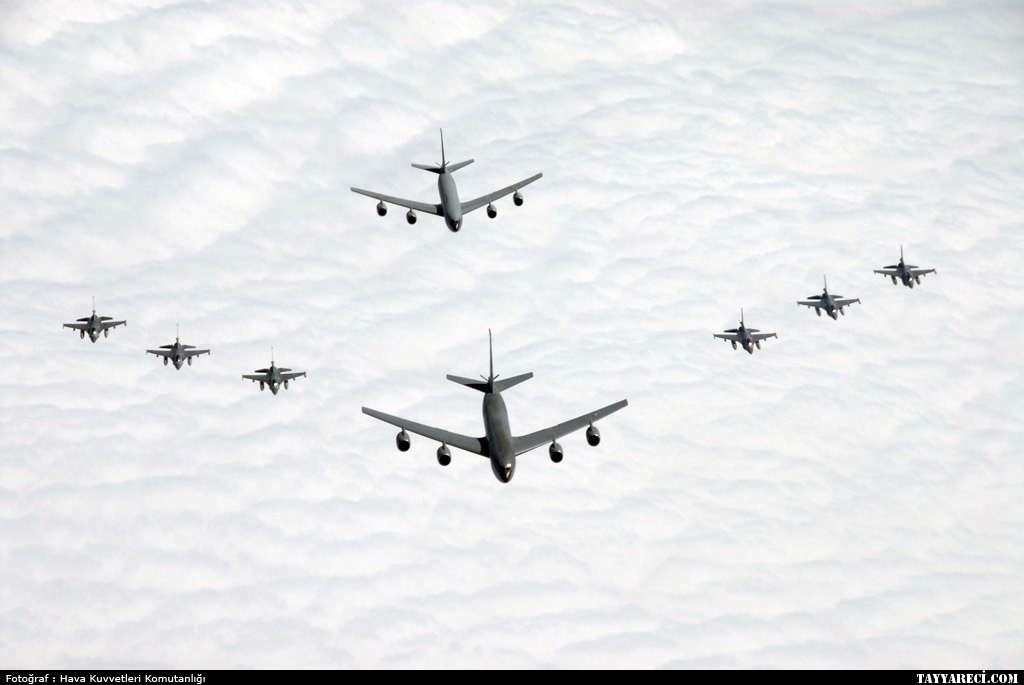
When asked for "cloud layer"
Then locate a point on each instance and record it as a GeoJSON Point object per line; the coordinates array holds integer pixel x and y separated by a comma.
{"type": "Point", "coordinates": [847, 497]}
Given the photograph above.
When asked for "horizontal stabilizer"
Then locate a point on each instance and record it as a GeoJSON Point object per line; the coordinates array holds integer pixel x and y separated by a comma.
{"type": "Point", "coordinates": [506, 383]}
{"type": "Point", "coordinates": [106, 318]}
{"type": "Point", "coordinates": [482, 386]}
{"type": "Point", "coordinates": [167, 347]}
{"type": "Point", "coordinates": [85, 319]}
{"type": "Point", "coordinates": [458, 165]}
{"type": "Point", "coordinates": [731, 330]}
{"type": "Point", "coordinates": [892, 266]}
{"type": "Point", "coordinates": [428, 167]}
{"type": "Point", "coordinates": [262, 371]}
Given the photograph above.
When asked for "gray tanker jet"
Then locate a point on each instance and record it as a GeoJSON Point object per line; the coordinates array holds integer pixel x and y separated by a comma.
{"type": "Point", "coordinates": [275, 377]}
{"type": "Point", "coordinates": [498, 445]}
{"type": "Point", "coordinates": [908, 273]}
{"type": "Point", "coordinates": [748, 337]}
{"type": "Point", "coordinates": [830, 303]}
{"type": "Point", "coordinates": [177, 353]}
{"type": "Point", "coordinates": [450, 208]}
{"type": "Point", "coordinates": [94, 325]}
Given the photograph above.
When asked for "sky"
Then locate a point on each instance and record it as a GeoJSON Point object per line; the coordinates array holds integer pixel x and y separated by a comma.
{"type": "Point", "coordinates": [846, 497]}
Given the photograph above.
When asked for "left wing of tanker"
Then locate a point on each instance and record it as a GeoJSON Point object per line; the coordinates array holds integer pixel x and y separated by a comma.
{"type": "Point", "coordinates": [525, 443]}
{"type": "Point", "coordinates": [411, 204]}
{"type": "Point", "coordinates": [463, 442]}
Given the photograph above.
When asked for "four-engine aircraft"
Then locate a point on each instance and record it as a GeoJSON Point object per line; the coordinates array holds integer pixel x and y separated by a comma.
{"type": "Point", "coordinates": [450, 208]}
{"type": "Point", "coordinates": [274, 377]}
{"type": "Point", "coordinates": [177, 353]}
{"type": "Point", "coordinates": [94, 325]}
{"type": "Point", "coordinates": [908, 273]}
{"type": "Point", "coordinates": [498, 445]}
{"type": "Point", "coordinates": [832, 304]}
{"type": "Point", "coordinates": [747, 337]}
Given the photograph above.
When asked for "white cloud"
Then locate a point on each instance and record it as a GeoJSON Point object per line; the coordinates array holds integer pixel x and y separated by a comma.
{"type": "Point", "coordinates": [848, 496]}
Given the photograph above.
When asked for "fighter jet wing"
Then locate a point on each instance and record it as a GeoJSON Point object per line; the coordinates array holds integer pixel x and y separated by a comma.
{"type": "Point", "coordinates": [762, 336]}
{"type": "Point", "coordinates": [843, 303]}
{"type": "Point", "coordinates": [468, 207]}
{"type": "Point", "coordinates": [159, 353]}
{"type": "Point", "coordinates": [463, 442]}
{"type": "Point", "coordinates": [411, 204]}
{"type": "Point", "coordinates": [77, 326]}
{"type": "Point", "coordinates": [914, 273]}
{"type": "Point", "coordinates": [261, 377]}
{"type": "Point", "coordinates": [194, 353]}
{"type": "Point", "coordinates": [887, 272]}
{"type": "Point", "coordinates": [728, 336]}
{"type": "Point", "coordinates": [289, 376]}
{"type": "Point", "coordinates": [813, 303]}
{"type": "Point", "coordinates": [104, 325]}
{"type": "Point", "coordinates": [525, 443]}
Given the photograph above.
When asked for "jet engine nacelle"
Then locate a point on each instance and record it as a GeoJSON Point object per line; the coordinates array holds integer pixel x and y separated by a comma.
{"type": "Point", "coordinates": [402, 441]}
{"type": "Point", "coordinates": [382, 209]}
{"type": "Point", "coordinates": [261, 386]}
{"type": "Point", "coordinates": [286, 385]}
{"type": "Point", "coordinates": [106, 332]}
{"type": "Point", "coordinates": [518, 199]}
{"type": "Point", "coordinates": [492, 211]}
{"type": "Point", "coordinates": [817, 311]}
{"type": "Point", "coordinates": [734, 344]}
{"type": "Point", "coordinates": [410, 216]}
{"type": "Point", "coordinates": [894, 280]}
{"type": "Point", "coordinates": [758, 343]}
{"type": "Point", "coordinates": [842, 312]}
{"type": "Point", "coordinates": [444, 455]}
{"type": "Point", "coordinates": [555, 452]}
{"type": "Point", "coordinates": [190, 361]}
{"type": "Point", "coordinates": [593, 436]}
{"type": "Point", "coordinates": [82, 334]}
{"type": "Point", "coordinates": [165, 361]}
{"type": "Point", "coordinates": [917, 279]}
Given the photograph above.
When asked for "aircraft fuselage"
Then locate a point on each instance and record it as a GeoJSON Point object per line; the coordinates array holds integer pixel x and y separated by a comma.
{"type": "Point", "coordinates": [499, 437]}
{"type": "Point", "coordinates": [450, 205]}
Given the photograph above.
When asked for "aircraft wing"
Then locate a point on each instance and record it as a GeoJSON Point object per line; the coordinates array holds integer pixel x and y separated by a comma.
{"type": "Point", "coordinates": [463, 442]}
{"type": "Point", "coordinates": [525, 443]}
{"type": "Point", "coordinates": [77, 326]}
{"type": "Point", "coordinates": [159, 353]}
{"type": "Point", "coordinates": [728, 336]}
{"type": "Point", "coordinates": [843, 303]}
{"type": "Point", "coordinates": [914, 273]}
{"type": "Point", "coordinates": [193, 353]}
{"type": "Point", "coordinates": [289, 376]}
{"type": "Point", "coordinates": [104, 325]}
{"type": "Point", "coordinates": [411, 204]}
{"type": "Point", "coordinates": [491, 197]}
{"type": "Point", "coordinates": [260, 377]}
{"type": "Point", "coordinates": [887, 272]}
{"type": "Point", "coordinates": [762, 336]}
{"type": "Point", "coordinates": [813, 303]}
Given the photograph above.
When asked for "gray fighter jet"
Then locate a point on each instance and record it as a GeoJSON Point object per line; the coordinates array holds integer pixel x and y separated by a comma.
{"type": "Point", "coordinates": [748, 337]}
{"type": "Point", "coordinates": [450, 208]}
{"type": "Point", "coordinates": [94, 325]}
{"type": "Point", "coordinates": [274, 377]}
{"type": "Point", "coordinates": [498, 445]}
{"type": "Point", "coordinates": [908, 273]}
{"type": "Point", "coordinates": [830, 303]}
{"type": "Point", "coordinates": [177, 353]}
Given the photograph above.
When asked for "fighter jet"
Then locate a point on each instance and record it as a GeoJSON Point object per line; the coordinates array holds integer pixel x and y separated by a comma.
{"type": "Point", "coordinates": [274, 377]}
{"type": "Point", "coordinates": [498, 445]}
{"type": "Point", "coordinates": [908, 273]}
{"type": "Point", "coordinates": [94, 325]}
{"type": "Point", "coordinates": [748, 337]}
{"type": "Point", "coordinates": [830, 303]}
{"type": "Point", "coordinates": [450, 208]}
{"type": "Point", "coordinates": [177, 352]}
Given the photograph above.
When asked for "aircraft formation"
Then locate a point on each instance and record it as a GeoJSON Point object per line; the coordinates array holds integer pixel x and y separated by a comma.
{"type": "Point", "coordinates": [498, 445]}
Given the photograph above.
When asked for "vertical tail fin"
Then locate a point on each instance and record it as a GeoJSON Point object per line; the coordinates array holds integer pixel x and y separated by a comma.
{"type": "Point", "coordinates": [901, 254]}
{"type": "Point", "coordinates": [443, 162]}
{"type": "Point", "coordinates": [741, 316]}
{"type": "Point", "coordinates": [177, 333]}
{"type": "Point", "coordinates": [490, 350]}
